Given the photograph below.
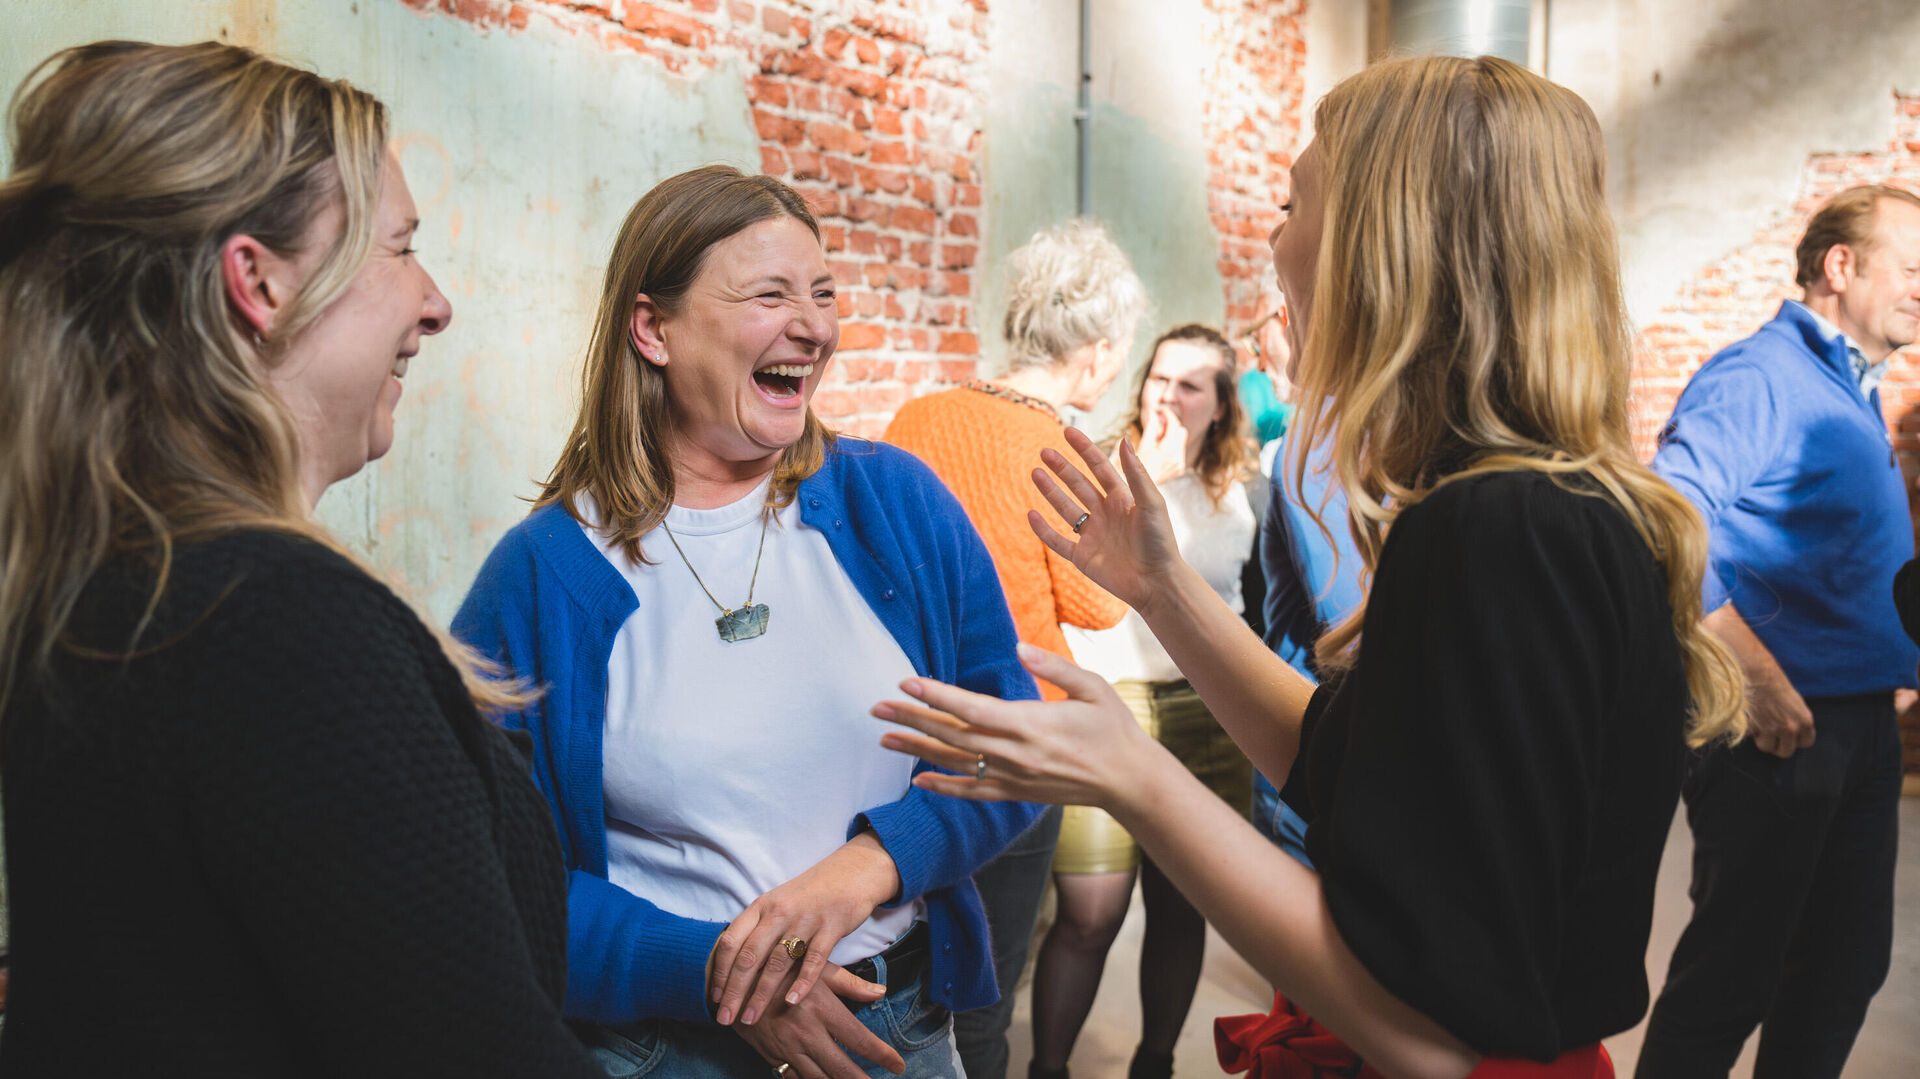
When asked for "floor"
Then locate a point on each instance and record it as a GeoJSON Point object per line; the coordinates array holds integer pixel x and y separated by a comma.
{"type": "Point", "coordinates": [1888, 1048]}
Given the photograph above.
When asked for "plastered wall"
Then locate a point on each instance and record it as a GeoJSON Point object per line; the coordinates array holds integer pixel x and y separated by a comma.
{"type": "Point", "coordinates": [929, 136]}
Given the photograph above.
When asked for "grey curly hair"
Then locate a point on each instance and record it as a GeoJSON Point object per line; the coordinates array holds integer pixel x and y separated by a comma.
{"type": "Point", "coordinates": [1069, 286]}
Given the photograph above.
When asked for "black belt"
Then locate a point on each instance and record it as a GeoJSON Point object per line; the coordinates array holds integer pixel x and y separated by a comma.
{"type": "Point", "coordinates": [906, 960]}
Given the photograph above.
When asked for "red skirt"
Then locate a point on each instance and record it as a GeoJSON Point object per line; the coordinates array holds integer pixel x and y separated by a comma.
{"type": "Point", "coordinates": [1287, 1043]}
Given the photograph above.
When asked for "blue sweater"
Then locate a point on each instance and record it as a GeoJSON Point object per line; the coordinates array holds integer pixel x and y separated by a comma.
{"type": "Point", "coordinates": [547, 605]}
{"type": "Point", "coordinates": [1792, 468]}
{"type": "Point", "coordinates": [1311, 583]}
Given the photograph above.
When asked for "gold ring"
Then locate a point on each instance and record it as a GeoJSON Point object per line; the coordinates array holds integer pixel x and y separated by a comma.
{"type": "Point", "coordinates": [796, 948]}
{"type": "Point", "coordinates": [1077, 525]}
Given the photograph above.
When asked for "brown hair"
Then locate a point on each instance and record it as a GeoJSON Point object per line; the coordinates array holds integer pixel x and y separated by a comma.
{"type": "Point", "coordinates": [618, 452]}
{"type": "Point", "coordinates": [1226, 454]}
{"type": "Point", "coordinates": [1847, 218]}
{"type": "Point", "coordinates": [1467, 318]}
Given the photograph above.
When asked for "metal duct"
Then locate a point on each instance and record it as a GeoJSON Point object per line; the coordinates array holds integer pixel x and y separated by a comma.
{"type": "Point", "coordinates": [1462, 28]}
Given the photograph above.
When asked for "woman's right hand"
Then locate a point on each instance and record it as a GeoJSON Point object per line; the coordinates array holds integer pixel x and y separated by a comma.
{"type": "Point", "coordinates": [1126, 545]}
{"type": "Point", "coordinates": [814, 1036]}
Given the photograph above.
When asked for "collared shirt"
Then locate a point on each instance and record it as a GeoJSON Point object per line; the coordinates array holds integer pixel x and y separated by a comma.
{"type": "Point", "coordinates": [1865, 372]}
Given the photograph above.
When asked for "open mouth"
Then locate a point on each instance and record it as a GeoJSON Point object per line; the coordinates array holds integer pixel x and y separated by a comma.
{"type": "Point", "coordinates": [782, 380]}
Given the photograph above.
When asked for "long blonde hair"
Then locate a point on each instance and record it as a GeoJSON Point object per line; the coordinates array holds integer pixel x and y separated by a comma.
{"type": "Point", "coordinates": [133, 411]}
{"type": "Point", "coordinates": [620, 450]}
{"type": "Point", "coordinates": [1467, 318]}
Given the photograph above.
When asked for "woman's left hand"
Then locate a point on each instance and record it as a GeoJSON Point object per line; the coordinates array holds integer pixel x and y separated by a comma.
{"type": "Point", "coordinates": [1086, 750]}
{"type": "Point", "coordinates": [750, 961]}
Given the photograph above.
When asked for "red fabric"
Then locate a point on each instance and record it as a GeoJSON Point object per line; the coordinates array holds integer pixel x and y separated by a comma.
{"type": "Point", "coordinates": [1287, 1043]}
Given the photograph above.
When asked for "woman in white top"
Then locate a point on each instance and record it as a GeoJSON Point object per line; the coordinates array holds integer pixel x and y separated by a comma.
{"type": "Point", "coordinates": [1189, 427]}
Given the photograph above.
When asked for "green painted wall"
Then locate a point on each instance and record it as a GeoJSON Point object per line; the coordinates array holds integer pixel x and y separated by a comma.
{"type": "Point", "coordinates": [524, 153]}
{"type": "Point", "coordinates": [1149, 171]}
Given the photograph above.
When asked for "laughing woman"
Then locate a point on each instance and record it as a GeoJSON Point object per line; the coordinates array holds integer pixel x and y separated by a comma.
{"type": "Point", "coordinates": [1491, 771]}
{"type": "Point", "coordinates": [711, 589]}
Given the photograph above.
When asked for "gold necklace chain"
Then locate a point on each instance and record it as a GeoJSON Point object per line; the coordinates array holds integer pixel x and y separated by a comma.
{"type": "Point", "coordinates": [748, 620]}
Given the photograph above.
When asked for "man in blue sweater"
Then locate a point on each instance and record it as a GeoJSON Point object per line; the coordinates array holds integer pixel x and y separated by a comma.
{"type": "Point", "coordinates": [1780, 442]}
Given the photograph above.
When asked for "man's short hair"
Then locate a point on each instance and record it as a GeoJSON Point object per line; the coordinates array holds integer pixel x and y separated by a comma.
{"type": "Point", "coordinates": [1847, 218]}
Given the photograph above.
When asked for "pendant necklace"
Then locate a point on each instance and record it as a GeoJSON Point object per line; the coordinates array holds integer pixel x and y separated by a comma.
{"type": "Point", "coordinates": [742, 623]}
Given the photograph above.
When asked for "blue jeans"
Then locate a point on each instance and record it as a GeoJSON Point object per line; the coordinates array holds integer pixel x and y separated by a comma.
{"type": "Point", "coordinates": [906, 1019]}
{"type": "Point", "coordinates": [1278, 822]}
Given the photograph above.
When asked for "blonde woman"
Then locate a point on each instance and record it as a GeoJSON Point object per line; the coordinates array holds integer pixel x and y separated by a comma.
{"type": "Point", "coordinates": [256, 822]}
{"type": "Point", "coordinates": [1490, 772]}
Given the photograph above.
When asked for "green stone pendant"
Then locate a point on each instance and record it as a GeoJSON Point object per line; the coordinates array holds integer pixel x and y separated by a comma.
{"type": "Point", "coordinates": [743, 624]}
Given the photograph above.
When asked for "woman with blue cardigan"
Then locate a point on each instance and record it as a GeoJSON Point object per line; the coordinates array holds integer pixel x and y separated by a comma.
{"type": "Point", "coordinates": [709, 593]}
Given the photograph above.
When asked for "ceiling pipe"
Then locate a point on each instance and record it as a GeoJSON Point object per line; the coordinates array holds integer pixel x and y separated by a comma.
{"type": "Point", "coordinates": [1083, 113]}
{"type": "Point", "coordinates": [1502, 28]}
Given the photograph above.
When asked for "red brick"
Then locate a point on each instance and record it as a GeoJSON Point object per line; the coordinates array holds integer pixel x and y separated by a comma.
{"type": "Point", "coordinates": [840, 171]}
{"type": "Point", "coordinates": [866, 50]}
{"type": "Point", "coordinates": [963, 225]}
{"type": "Point", "coordinates": [836, 139]}
{"type": "Point", "coordinates": [915, 219]}
{"type": "Point", "coordinates": [769, 92]}
{"type": "Point", "coordinates": [778, 128]}
{"type": "Point", "coordinates": [772, 161]}
{"type": "Point", "coordinates": [890, 153]}
{"type": "Point", "coordinates": [806, 165]}
{"type": "Point", "coordinates": [887, 121]}
{"type": "Point", "coordinates": [775, 20]}
{"type": "Point", "coordinates": [740, 11]}
{"type": "Point", "coordinates": [655, 22]}
{"type": "Point", "coordinates": [859, 335]}
{"type": "Point", "coordinates": [958, 256]}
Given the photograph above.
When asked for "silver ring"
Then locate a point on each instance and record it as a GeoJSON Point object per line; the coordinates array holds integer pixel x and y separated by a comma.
{"type": "Point", "coordinates": [783, 1069]}
{"type": "Point", "coordinates": [980, 768]}
{"type": "Point", "coordinates": [1079, 523]}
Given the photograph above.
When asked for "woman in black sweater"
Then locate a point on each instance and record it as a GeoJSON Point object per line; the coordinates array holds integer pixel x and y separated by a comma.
{"type": "Point", "coordinates": [1490, 771]}
{"type": "Point", "coordinates": [256, 824]}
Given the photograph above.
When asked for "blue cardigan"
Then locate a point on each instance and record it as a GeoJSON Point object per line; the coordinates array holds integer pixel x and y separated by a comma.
{"type": "Point", "coordinates": [547, 605]}
{"type": "Point", "coordinates": [1791, 466]}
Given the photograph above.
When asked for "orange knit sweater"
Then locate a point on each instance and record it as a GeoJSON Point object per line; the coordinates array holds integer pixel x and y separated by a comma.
{"type": "Point", "coordinates": [985, 449]}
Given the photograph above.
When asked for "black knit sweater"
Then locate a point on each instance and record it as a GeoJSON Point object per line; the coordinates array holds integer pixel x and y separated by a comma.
{"type": "Point", "coordinates": [278, 841]}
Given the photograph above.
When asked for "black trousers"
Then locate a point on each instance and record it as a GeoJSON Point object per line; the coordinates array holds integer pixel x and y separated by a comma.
{"type": "Point", "coordinates": [1792, 900]}
{"type": "Point", "coordinates": [1011, 887]}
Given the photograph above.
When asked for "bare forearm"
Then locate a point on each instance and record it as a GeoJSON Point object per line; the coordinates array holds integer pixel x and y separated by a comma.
{"type": "Point", "coordinates": [1272, 910]}
{"type": "Point", "coordinates": [1755, 660]}
{"type": "Point", "coordinates": [1255, 695]}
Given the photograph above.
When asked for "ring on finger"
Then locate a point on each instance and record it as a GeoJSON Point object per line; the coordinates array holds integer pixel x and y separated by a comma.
{"type": "Point", "coordinates": [796, 948]}
{"type": "Point", "coordinates": [782, 1070]}
{"type": "Point", "coordinates": [980, 768]}
{"type": "Point", "coordinates": [1081, 523]}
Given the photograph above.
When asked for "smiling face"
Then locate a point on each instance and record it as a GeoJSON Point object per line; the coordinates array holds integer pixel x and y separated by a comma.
{"type": "Point", "coordinates": [1879, 294]}
{"type": "Point", "coordinates": [340, 378]}
{"type": "Point", "coordinates": [748, 347]}
{"type": "Point", "coordinates": [1180, 385]}
{"type": "Point", "coordinates": [1296, 249]}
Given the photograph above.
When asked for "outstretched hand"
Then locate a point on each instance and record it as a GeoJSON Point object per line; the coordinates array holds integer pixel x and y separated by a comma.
{"type": "Point", "coordinates": [1126, 543]}
{"type": "Point", "coordinates": [1086, 750]}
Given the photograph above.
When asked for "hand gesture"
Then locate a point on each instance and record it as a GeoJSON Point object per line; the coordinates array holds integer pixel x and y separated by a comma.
{"type": "Point", "coordinates": [814, 1036]}
{"type": "Point", "coordinates": [1086, 750]}
{"type": "Point", "coordinates": [1778, 719]}
{"type": "Point", "coordinates": [1125, 545]}
{"type": "Point", "coordinates": [753, 958]}
{"type": "Point", "coordinates": [1163, 446]}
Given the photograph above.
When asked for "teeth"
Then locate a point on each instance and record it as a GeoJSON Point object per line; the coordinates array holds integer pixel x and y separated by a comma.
{"type": "Point", "coordinates": [400, 367]}
{"type": "Point", "coordinates": [792, 370]}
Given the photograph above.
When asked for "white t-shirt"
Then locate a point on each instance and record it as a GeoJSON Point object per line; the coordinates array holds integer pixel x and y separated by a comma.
{"type": "Point", "coordinates": [732, 767]}
{"type": "Point", "coordinates": [1215, 540]}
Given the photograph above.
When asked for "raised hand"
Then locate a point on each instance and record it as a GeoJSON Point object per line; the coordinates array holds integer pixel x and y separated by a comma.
{"type": "Point", "coordinates": [1126, 543]}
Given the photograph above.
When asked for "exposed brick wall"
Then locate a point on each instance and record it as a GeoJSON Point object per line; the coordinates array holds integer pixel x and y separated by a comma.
{"type": "Point", "coordinates": [1731, 298]}
{"type": "Point", "coordinates": [872, 110]}
{"type": "Point", "coordinates": [1251, 114]}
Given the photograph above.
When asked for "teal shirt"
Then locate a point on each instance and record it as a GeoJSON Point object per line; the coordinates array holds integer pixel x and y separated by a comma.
{"type": "Point", "coordinates": [1267, 415]}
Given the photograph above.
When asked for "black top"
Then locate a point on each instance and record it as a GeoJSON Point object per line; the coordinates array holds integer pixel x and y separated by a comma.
{"type": "Point", "coordinates": [280, 841]}
{"type": "Point", "coordinates": [1490, 787]}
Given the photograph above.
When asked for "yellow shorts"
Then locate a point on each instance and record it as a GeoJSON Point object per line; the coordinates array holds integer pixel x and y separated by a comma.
{"type": "Point", "coordinates": [1091, 841]}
